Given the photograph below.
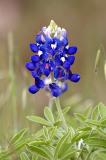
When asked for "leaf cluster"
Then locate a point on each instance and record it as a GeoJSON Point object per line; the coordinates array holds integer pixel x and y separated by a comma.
{"type": "Point", "coordinates": [52, 141]}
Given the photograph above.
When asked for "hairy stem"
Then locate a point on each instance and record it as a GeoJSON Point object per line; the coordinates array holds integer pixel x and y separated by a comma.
{"type": "Point", "coordinates": [51, 102]}
{"type": "Point", "coordinates": [57, 101]}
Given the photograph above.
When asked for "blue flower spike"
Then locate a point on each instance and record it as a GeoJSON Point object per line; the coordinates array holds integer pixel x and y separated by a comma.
{"type": "Point", "coordinates": [50, 64]}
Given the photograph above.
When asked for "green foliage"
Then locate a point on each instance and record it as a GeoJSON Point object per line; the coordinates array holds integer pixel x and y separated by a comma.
{"type": "Point", "coordinates": [53, 141]}
{"type": "Point", "coordinates": [24, 156]}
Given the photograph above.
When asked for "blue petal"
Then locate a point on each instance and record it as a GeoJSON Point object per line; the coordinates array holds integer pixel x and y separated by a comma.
{"type": "Point", "coordinates": [55, 90]}
{"type": "Point", "coordinates": [47, 72]}
{"type": "Point", "coordinates": [35, 58]}
{"type": "Point", "coordinates": [71, 59]}
{"type": "Point", "coordinates": [42, 48]}
{"type": "Point", "coordinates": [74, 77]}
{"type": "Point", "coordinates": [64, 87]}
{"type": "Point", "coordinates": [65, 41]}
{"type": "Point", "coordinates": [39, 39]}
{"type": "Point", "coordinates": [43, 56]}
{"type": "Point", "coordinates": [59, 73]}
{"type": "Point", "coordinates": [48, 40]}
{"type": "Point", "coordinates": [72, 50]}
{"type": "Point", "coordinates": [33, 89]}
{"type": "Point", "coordinates": [30, 66]}
{"type": "Point", "coordinates": [66, 64]}
{"type": "Point", "coordinates": [52, 51]}
{"type": "Point", "coordinates": [34, 74]}
{"type": "Point", "coordinates": [39, 83]}
{"type": "Point", "coordinates": [58, 42]}
{"type": "Point", "coordinates": [33, 47]}
{"type": "Point", "coordinates": [39, 71]}
{"type": "Point", "coordinates": [52, 65]}
{"type": "Point", "coordinates": [58, 60]}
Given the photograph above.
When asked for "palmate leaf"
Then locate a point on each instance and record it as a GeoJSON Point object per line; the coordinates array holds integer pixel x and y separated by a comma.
{"type": "Point", "coordinates": [58, 123]}
{"type": "Point", "coordinates": [98, 155]}
{"type": "Point", "coordinates": [38, 142]}
{"type": "Point", "coordinates": [46, 133]}
{"type": "Point", "coordinates": [97, 123]}
{"type": "Point", "coordinates": [66, 151]}
{"type": "Point", "coordinates": [86, 128]}
{"type": "Point", "coordinates": [17, 147]}
{"type": "Point", "coordinates": [66, 109]}
{"type": "Point", "coordinates": [3, 155]}
{"type": "Point", "coordinates": [38, 133]}
{"type": "Point", "coordinates": [39, 120]}
{"type": "Point", "coordinates": [17, 142]}
{"type": "Point", "coordinates": [80, 135]}
{"type": "Point", "coordinates": [49, 115]}
{"type": "Point", "coordinates": [24, 156]}
{"type": "Point", "coordinates": [18, 136]}
{"type": "Point", "coordinates": [103, 122]}
{"type": "Point", "coordinates": [53, 132]}
{"type": "Point", "coordinates": [95, 113]}
{"type": "Point", "coordinates": [60, 145]}
{"type": "Point", "coordinates": [68, 154]}
{"type": "Point", "coordinates": [34, 157]}
{"type": "Point", "coordinates": [96, 142]}
{"type": "Point", "coordinates": [101, 132]}
{"type": "Point", "coordinates": [80, 117]}
{"type": "Point", "coordinates": [42, 151]}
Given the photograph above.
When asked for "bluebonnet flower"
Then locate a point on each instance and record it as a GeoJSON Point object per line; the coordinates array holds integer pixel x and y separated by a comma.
{"type": "Point", "coordinates": [52, 60]}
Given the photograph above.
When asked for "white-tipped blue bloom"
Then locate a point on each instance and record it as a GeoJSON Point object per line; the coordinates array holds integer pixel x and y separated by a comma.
{"type": "Point", "coordinates": [51, 62]}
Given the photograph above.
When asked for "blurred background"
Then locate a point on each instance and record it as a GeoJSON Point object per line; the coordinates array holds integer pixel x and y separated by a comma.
{"type": "Point", "coordinates": [20, 21]}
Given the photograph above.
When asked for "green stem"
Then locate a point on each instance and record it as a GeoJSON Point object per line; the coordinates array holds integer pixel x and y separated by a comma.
{"type": "Point", "coordinates": [57, 101]}
{"type": "Point", "coordinates": [51, 102]}
{"type": "Point", "coordinates": [12, 77]}
{"type": "Point", "coordinates": [11, 54]}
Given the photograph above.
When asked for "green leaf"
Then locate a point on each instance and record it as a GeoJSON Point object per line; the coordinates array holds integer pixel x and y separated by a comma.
{"type": "Point", "coordinates": [68, 154]}
{"type": "Point", "coordinates": [80, 117]}
{"type": "Point", "coordinates": [67, 109]}
{"type": "Point", "coordinates": [41, 151]}
{"type": "Point", "coordinates": [3, 155]}
{"type": "Point", "coordinates": [61, 143]}
{"type": "Point", "coordinates": [39, 120]}
{"type": "Point", "coordinates": [80, 135]}
{"type": "Point", "coordinates": [94, 123]}
{"type": "Point", "coordinates": [88, 112]}
{"type": "Point", "coordinates": [53, 132]}
{"type": "Point", "coordinates": [103, 122]}
{"type": "Point", "coordinates": [48, 114]}
{"type": "Point", "coordinates": [95, 113]}
{"type": "Point", "coordinates": [18, 136]}
{"type": "Point", "coordinates": [101, 133]}
{"type": "Point", "coordinates": [38, 133]}
{"type": "Point", "coordinates": [58, 123]}
{"type": "Point", "coordinates": [87, 128]}
{"type": "Point", "coordinates": [36, 143]}
{"type": "Point", "coordinates": [102, 110]}
{"type": "Point", "coordinates": [46, 134]}
{"type": "Point", "coordinates": [17, 147]}
{"type": "Point", "coordinates": [66, 151]}
{"type": "Point", "coordinates": [99, 154]}
{"type": "Point", "coordinates": [24, 156]}
{"type": "Point", "coordinates": [96, 142]}
{"type": "Point", "coordinates": [34, 157]}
